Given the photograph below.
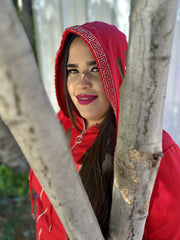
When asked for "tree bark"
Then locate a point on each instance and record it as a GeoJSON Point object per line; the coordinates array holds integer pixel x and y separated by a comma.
{"type": "Point", "coordinates": [10, 153]}
{"type": "Point", "coordinates": [142, 96]}
{"type": "Point", "coordinates": [27, 112]}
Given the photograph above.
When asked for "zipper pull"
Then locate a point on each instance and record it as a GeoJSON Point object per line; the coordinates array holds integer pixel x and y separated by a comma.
{"type": "Point", "coordinates": [78, 139]}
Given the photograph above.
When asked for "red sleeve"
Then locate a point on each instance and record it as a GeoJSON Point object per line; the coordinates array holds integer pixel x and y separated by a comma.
{"type": "Point", "coordinates": [66, 122]}
{"type": "Point", "coordinates": [164, 210]}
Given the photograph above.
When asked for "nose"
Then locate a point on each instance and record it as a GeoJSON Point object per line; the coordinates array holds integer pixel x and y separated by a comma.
{"type": "Point", "coordinates": [84, 81]}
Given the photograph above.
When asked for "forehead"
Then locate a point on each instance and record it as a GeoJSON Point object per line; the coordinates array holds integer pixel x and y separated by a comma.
{"type": "Point", "coordinates": [79, 51]}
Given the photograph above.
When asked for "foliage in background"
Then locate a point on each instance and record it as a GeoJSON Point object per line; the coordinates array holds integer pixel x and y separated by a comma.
{"type": "Point", "coordinates": [16, 222]}
{"type": "Point", "coordinates": [12, 183]}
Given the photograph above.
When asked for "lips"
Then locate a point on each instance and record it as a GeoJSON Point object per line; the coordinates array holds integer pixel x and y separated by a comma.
{"type": "Point", "coordinates": [86, 99]}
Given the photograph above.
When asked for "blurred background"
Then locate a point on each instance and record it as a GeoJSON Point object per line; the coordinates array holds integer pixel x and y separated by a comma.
{"type": "Point", "coordinates": [44, 22]}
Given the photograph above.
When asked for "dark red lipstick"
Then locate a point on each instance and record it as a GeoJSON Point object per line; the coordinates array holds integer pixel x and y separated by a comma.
{"type": "Point", "coordinates": [85, 99]}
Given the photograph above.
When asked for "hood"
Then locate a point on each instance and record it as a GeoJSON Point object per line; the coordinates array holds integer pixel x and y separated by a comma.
{"type": "Point", "coordinates": [107, 44]}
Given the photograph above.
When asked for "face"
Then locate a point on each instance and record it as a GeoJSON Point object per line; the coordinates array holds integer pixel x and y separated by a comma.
{"type": "Point", "coordinates": [84, 84]}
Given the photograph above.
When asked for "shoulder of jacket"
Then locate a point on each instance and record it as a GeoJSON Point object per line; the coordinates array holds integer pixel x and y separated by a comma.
{"type": "Point", "coordinates": [66, 122]}
{"type": "Point", "coordinates": [167, 141]}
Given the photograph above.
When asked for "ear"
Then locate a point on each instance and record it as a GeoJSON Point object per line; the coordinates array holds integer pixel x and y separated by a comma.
{"type": "Point", "coordinates": [120, 67]}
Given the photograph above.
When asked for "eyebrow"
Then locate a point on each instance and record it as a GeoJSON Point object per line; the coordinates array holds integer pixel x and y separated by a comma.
{"type": "Point", "coordinates": [71, 65]}
{"type": "Point", "coordinates": [89, 63]}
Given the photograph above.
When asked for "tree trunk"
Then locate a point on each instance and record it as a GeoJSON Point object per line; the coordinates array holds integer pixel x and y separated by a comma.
{"type": "Point", "coordinates": [26, 111]}
{"type": "Point", "coordinates": [10, 153]}
{"type": "Point", "coordinates": [142, 96]}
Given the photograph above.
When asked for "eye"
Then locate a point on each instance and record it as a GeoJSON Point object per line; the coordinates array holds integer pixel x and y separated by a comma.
{"type": "Point", "coordinates": [72, 71]}
{"type": "Point", "coordinates": [94, 69]}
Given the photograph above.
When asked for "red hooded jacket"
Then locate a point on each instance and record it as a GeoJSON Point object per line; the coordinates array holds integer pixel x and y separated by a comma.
{"type": "Point", "coordinates": [107, 44]}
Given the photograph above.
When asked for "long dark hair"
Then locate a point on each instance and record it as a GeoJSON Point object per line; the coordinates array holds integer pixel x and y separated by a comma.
{"type": "Point", "coordinates": [97, 163]}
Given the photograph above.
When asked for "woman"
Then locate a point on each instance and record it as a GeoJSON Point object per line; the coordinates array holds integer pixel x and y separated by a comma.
{"type": "Point", "coordinates": [88, 73]}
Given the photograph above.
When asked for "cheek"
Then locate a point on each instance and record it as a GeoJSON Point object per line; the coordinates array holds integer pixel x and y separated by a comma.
{"type": "Point", "coordinates": [106, 103]}
{"type": "Point", "coordinates": [69, 88]}
{"type": "Point", "coordinates": [102, 92]}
